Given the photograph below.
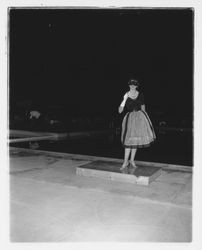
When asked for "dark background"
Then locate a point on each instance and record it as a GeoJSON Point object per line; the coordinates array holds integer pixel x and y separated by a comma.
{"type": "Point", "coordinates": [82, 59]}
{"type": "Point", "coordinates": [73, 65]}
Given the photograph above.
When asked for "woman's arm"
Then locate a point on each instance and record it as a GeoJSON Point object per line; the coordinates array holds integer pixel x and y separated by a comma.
{"type": "Point", "coordinates": [142, 102]}
{"type": "Point", "coordinates": [143, 107]}
{"type": "Point", "coordinates": [121, 107]}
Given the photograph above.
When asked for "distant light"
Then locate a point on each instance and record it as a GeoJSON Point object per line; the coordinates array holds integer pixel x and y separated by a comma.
{"type": "Point", "coordinates": [49, 25]}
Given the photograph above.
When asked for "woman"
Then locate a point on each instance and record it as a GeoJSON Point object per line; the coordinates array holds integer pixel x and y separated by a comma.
{"type": "Point", "coordinates": [137, 129]}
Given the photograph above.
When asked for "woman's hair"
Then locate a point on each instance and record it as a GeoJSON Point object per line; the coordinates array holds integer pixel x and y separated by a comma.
{"type": "Point", "coordinates": [134, 82]}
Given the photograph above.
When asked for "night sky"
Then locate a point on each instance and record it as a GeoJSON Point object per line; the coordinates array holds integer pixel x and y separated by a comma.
{"type": "Point", "coordinates": [82, 59]}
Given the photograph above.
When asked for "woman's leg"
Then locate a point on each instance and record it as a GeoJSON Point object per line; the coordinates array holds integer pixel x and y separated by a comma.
{"type": "Point", "coordinates": [126, 157]}
{"type": "Point", "coordinates": [132, 157]}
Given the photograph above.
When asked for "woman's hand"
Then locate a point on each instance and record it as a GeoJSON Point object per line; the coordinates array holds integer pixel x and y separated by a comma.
{"type": "Point", "coordinates": [143, 107]}
{"type": "Point", "coordinates": [120, 109]}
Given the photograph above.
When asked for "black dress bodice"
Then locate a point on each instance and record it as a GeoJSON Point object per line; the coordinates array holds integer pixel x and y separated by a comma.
{"type": "Point", "coordinates": [135, 105]}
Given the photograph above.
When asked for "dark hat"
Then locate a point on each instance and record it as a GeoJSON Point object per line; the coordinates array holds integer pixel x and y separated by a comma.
{"type": "Point", "coordinates": [134, 82]}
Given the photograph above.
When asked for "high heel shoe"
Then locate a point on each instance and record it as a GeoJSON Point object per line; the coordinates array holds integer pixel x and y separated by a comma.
{"type": "Point", "coordinates": [132, 163]}
{"type": "Point", "coordinates": [125, 164]}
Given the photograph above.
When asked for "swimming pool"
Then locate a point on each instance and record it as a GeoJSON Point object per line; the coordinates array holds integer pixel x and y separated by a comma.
{"type": "Point", "coordinates": [172, 147]}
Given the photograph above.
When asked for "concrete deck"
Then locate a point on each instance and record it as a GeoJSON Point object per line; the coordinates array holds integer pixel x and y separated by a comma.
{"type": "Point", "coordinates": [50, 203]}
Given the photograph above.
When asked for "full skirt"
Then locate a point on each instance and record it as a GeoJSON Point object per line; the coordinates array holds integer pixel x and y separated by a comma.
{"type": "Point", "coordinates": [137, 130]}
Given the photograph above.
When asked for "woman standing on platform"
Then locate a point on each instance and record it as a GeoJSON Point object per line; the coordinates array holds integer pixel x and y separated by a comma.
{"type": "Point", "coordinates": [137, 129]}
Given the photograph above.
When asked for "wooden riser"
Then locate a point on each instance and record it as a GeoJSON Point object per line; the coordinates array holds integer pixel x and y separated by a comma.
{"type": "Point", "coordinates": [143, 175]}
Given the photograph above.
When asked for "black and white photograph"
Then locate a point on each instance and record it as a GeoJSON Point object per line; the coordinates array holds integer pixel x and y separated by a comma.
{"type": "Point", "coordinates": [100, 123]}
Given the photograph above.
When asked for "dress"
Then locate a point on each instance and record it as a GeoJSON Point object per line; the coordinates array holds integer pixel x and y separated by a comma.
{"type": "Point", "coordinates": [137, 129]}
